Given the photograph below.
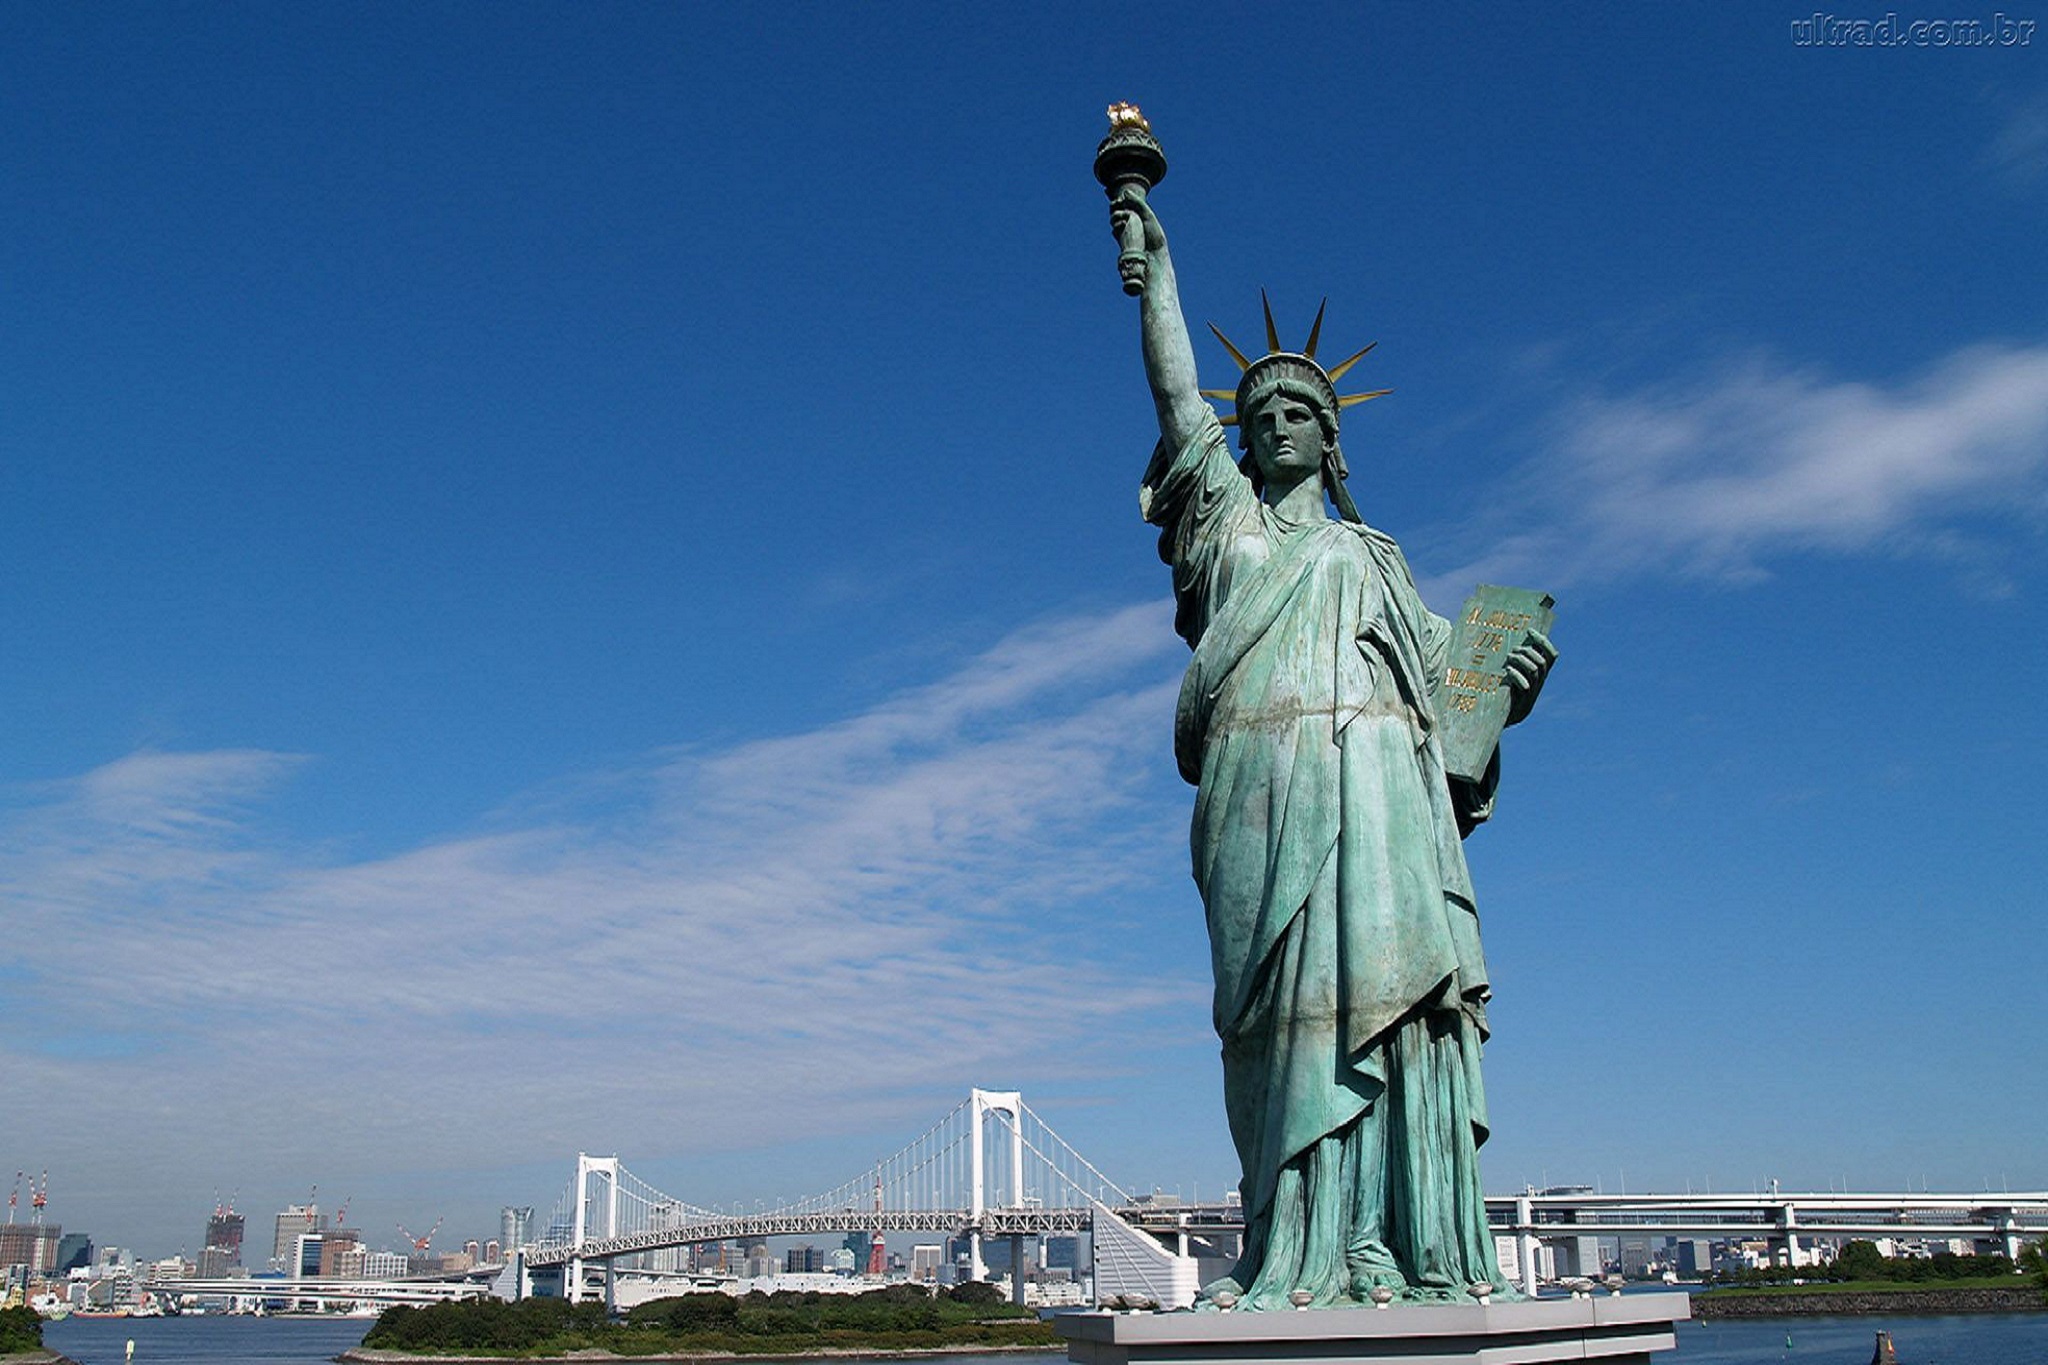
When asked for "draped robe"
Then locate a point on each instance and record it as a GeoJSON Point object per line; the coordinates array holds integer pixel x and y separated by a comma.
{"type": "Point", "coordinates": [1350, 987]}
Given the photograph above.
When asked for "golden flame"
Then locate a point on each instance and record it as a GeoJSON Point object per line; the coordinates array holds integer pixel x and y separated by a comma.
{"type": "Point", "coordinates": [1124, 114]}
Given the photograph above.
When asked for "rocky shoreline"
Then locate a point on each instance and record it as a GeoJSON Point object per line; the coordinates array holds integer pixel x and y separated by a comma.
{"type": "Point", "coordinates": [2027, 1298]}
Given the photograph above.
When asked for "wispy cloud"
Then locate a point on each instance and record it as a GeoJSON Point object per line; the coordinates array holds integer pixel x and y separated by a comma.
{"type": "Point", "coordinates": [2019, 154]}
{"type": "Point", "coordinates": [850, 920]}
{"type": "Point", "coordinates": [1716, 476]}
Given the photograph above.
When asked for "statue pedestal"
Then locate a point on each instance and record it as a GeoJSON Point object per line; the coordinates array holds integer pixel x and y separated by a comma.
{"type": "Point", "coordinates": [1617, 1329]}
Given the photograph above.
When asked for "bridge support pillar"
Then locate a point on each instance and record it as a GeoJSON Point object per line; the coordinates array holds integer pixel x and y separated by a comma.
{"type": "Point", "coordinates": [1788, 1223]}
{"type": "Point", "coordinates": [2009, 1232]}
{"type": "Point", "coordinates": [1017, 1267]}
{"type": "Point", "coordinates": [1526, 1244]}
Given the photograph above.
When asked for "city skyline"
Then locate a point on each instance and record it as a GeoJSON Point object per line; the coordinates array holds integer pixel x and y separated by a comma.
{"type": "Point", "coordinates": [576, 584]}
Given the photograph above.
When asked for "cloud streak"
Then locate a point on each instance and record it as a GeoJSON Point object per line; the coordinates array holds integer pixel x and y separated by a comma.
{"type": "Point", "coordinates": [846, 922]}
{"type": "Point", "coordinates": [1716, 477]}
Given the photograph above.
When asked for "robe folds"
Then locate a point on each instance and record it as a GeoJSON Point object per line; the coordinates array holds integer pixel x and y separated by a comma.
{"type": "Point", "coordinates": [1350, 987]}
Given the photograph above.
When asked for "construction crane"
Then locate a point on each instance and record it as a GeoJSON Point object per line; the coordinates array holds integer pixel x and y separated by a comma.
{"type": "Point", "coordinates": [14, 1197]}
{"type": "Point", "coordinates": [341, 1215]}
{"type": "Point", "coordinates": [41, 1198]}
{"type": "Point", "coordinates": [420, 1244]}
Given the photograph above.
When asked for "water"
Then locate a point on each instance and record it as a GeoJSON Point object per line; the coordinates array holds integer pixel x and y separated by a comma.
{"type": "Point", "coordinates": [208, 1340]}
{"type": "Point", "coordinates": [1967, 1339]}
{"type": "Point", "coordinates": [1974, 1339]}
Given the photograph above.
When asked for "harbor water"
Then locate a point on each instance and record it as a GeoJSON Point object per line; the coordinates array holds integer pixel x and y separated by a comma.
{"type": "Point", "coordinates": [207, 1340]}
{"type": "Point", "coordinates": [1973, 1339]}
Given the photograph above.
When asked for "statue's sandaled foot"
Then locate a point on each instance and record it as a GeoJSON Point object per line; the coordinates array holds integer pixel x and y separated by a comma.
{"type": "Point", "coordinates": [1373, 1266]}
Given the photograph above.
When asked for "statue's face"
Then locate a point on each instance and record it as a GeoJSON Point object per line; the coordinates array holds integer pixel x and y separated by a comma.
{"type": "Point", "coordinates": [1287, 440]}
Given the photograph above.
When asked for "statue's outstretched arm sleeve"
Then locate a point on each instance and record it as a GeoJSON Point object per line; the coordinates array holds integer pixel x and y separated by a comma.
{"type": "Point", "coordinates": [1169, 355]}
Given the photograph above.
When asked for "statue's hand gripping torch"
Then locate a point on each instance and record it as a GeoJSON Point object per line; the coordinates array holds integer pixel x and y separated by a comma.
{"type": "Point", "coordinates": [1130, 160]}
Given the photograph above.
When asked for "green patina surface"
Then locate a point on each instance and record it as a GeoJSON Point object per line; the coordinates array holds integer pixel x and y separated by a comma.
{"type": "Point", "coordinates": [1350, 986]}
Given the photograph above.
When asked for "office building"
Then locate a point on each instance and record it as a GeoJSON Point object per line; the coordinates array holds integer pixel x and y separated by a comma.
{"type": "Point", "coordinates": [383, 1265]}
{"type": "Point", "coordinates": [74, 1250]}
{"type": "Point", "coordinates": [1637, 1257]}
{"type": "Point", "coordinates": [30, 1245]}
{"type": "Point", "coordinates": [1507, 1250]}
{"type": "Point", "coordinates": [668, 1260]}
{"type": "Point", "coordinates": [1695, 1258]}
{"type": "Point", "coordinates": [296, 1221]}
{"type": "Point", "coordinates": [337, 1244]}
{"type": "Point", "coordinates": [217, 1263]}
{"type": "Point", "coordinates": [224, 1233]}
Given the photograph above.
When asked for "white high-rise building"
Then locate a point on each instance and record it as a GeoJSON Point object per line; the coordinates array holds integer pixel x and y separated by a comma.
{"type": "Point", "coordinates": [383, 1265]}
{"type": "Point", "coordinates": [295, 1222]}
{"type": "Point", "coordinates": [668, 1260]}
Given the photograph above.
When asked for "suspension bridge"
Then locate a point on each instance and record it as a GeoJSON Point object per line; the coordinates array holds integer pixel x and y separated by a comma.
{"type": "Point", "coordinates": [991, 1168]}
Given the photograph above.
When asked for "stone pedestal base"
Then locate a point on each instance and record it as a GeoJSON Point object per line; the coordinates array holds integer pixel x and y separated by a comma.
{"type": "Point", "coordinates": [1616, 1329]}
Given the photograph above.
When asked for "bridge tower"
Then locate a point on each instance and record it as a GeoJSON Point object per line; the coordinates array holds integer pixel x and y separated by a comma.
{"type": "Point", "coordinates": [605, 1168]}
{"type": "Point", "coordinates": [1010, 1104]}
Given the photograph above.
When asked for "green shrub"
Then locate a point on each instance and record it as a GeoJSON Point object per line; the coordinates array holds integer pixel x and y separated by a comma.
{"type": "Point", "coordinates": [20, 1330]}
{"type": "Point", "coordinates": [769, 1321]}
{"type": "Point", "coordinates": [979, 1292]}
{"type": "Point", "coordinates": [483, 1324]}
{"type": "Point", "coordinates": [688, 1313]}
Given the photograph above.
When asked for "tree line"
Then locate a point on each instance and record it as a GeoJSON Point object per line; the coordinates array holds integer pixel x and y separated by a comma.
{"type": "Point", "coordinates": [904, 1315]}
{"type": "Point", "coordinates": [1861, 1261]}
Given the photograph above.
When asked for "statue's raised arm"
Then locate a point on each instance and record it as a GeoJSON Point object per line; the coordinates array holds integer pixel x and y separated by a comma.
{"type": "Point", "coordinates": [1128, 163]}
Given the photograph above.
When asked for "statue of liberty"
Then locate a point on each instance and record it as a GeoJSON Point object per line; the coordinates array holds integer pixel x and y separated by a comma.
{"type": "Point", "coordinates": [1350, 988]}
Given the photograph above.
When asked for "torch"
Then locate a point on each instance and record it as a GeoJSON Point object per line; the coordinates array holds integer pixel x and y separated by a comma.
{"type": "Point", "coordinates": [1131, 156]}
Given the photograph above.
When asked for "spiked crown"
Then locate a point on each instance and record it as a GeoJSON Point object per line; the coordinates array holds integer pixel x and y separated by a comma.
{"type": "Point", "coordinates": [1280, 369]}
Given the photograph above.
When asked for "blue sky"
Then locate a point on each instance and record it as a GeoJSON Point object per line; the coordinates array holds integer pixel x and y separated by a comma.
{"type": "Point", "coordinates": [575, 582]}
